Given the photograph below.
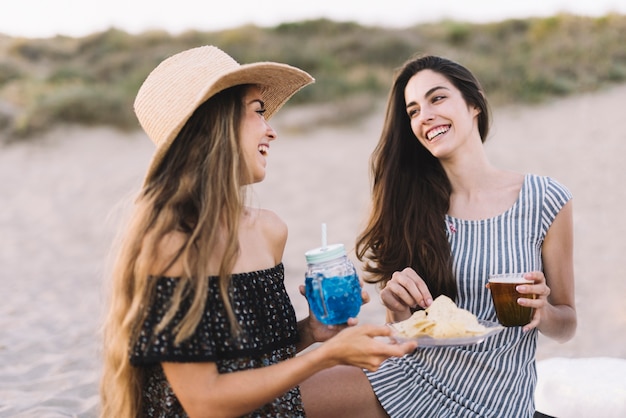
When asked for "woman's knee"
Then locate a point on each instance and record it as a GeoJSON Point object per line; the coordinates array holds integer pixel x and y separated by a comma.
{"type": "Point", "coordinates": [342, 391]}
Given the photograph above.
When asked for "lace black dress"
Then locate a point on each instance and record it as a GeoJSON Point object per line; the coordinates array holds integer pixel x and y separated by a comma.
{"type": "Point", "coordinates": [269, 334]}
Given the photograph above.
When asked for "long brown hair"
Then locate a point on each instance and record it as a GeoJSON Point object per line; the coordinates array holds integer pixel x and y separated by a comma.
{"type": "Point", "coordinates": [198, 191]}
{"type": "Point", "coordinates": [410, 191]}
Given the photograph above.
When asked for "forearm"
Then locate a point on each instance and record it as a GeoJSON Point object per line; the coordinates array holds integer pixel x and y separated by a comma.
{"type": "Point", "coordinates": [265, 384]}
{"type": "Point", "coordinates": [558, 316]}
{"type": "Point", "coordinates": [305, 335]}
{"type": "Point", "coordinates": [558, 322]}
{"type": "Point", "coordinates": [238, 393]}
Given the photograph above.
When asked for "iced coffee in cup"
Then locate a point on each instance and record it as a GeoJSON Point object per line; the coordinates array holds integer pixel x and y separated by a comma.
{"type": "Point", "coordinates": [509, 312]}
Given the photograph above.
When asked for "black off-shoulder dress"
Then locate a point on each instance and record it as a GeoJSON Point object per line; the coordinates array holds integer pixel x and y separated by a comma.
{"type": "Point", "coordinates": [269, 335]}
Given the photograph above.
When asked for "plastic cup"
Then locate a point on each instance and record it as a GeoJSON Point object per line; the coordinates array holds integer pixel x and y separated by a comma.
{"type": "Point", "coordinates": [509, 312]}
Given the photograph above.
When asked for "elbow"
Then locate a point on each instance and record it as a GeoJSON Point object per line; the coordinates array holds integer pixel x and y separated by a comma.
{"type": "Point", "coordinates": [567, 330]}
{"type": "Point", "coordinates": [564, 337]}
{"type": "Point", "coordinates": [204, 408]}
{"type": "Point", "coordinates": [568, 333]}
{"type": "Point", "coordinates": [562, 327]}
{"type": "Point", "coordinates": [199, 412]}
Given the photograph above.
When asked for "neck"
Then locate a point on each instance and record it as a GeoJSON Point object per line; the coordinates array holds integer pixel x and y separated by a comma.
{"type": "Point", "coordinates": [469, 171]}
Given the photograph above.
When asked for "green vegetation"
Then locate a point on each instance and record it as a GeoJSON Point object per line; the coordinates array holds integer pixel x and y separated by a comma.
{"type": "Point", "coordinates": [93, 80]}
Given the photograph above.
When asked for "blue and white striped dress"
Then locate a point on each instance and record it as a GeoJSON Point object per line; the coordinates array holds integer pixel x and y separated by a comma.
{"type": "Point", "coordinates": [497, 377]}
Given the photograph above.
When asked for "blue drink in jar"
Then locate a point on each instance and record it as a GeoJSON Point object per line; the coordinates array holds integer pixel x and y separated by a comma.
{"type": "Point", "coordinates": [332, 285]}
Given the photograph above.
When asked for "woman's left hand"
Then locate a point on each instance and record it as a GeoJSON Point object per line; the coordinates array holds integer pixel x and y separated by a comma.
{"type": "Point", "coordinates": [320, 332]}
{"type": "Point", "coordinates": [540, 290]}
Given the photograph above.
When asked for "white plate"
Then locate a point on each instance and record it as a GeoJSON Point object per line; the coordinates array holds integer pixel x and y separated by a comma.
{"type": "Point", "coordinates": [426, 341]}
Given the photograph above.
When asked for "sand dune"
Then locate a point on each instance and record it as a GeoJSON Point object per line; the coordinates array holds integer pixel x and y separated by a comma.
{"type": "Point", "coordinates": [64, 195]}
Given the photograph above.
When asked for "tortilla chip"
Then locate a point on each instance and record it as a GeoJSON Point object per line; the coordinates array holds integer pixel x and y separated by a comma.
{"type": "Point", "coordinates": [442, 319]}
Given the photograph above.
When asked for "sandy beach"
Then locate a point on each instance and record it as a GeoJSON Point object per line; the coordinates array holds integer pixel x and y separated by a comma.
{"type": "Point", "coordinates": [63, 197]}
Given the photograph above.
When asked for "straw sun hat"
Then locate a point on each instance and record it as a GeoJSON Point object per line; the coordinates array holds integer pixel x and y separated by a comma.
{"type": "Point", "coordinates": [178, 85]}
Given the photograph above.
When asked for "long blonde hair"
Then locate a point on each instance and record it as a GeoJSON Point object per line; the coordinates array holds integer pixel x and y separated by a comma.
{"type": "Point", "coordinates": [197, 191]}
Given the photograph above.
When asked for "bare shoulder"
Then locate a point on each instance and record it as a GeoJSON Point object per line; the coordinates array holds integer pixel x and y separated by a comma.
{"type": "Point", "coordinates": [265, 233]}
{"type": "Point", "coordinates": [273, 227]}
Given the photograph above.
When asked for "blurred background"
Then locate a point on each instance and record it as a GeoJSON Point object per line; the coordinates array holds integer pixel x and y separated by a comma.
{"type": "Point", "coordinates": [81, 62]}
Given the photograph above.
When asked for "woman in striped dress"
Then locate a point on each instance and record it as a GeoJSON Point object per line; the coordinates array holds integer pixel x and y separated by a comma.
{"type": "Point", "coordinates": [443, 219]}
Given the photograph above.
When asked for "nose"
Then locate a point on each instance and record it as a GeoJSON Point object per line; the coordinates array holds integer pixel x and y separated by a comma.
{"type": "Point", "coordinates": [270, 132]}
{"type": "Point", "coordinates": [426, 115]}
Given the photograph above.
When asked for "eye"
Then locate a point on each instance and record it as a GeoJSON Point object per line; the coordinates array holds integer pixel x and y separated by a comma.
{"type": "Point", "coordinates": [413, 112]}
{"type": "Point", "coordinates": [438, 98]}
{"type": "Point", "coordinates": [261, 111]}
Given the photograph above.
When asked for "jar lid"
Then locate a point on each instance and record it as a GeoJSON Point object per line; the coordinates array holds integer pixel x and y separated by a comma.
{"type": "Point", "coordinates": [322, 254]}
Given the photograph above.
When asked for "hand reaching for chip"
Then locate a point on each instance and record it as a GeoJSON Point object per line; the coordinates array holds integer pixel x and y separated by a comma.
{"type": "Point", "coordinates": [405, 290]}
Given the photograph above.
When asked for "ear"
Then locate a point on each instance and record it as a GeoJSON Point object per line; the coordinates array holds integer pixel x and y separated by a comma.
{"type": "Point", "coordinates": [475, 109]}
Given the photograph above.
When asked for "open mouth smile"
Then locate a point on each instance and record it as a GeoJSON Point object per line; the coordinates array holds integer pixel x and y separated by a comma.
{"type": "Point", "coordinates": [435, 132]}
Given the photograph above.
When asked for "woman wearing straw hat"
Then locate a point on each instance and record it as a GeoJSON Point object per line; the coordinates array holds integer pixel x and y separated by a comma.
{"type": "Point", "coordinates": [199, 322]}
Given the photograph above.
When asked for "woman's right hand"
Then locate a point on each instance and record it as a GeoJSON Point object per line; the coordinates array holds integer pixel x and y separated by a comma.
{"type": "Point", "coordinates": [404, 291]}
{"type": "Point", "coordinates": [358, 346]}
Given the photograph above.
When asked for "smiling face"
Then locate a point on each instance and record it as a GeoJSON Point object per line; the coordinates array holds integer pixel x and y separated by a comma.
{"type": "Point", "coordinates": [256, 135]}
{"type": "Point", "coordinates": [440, 118]}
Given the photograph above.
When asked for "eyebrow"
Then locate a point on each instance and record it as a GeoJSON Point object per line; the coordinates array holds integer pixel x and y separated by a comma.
{"type": "Point", "coordinates": [259, 101]}
{"type": "Point", "coordinates": [428, 93]}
